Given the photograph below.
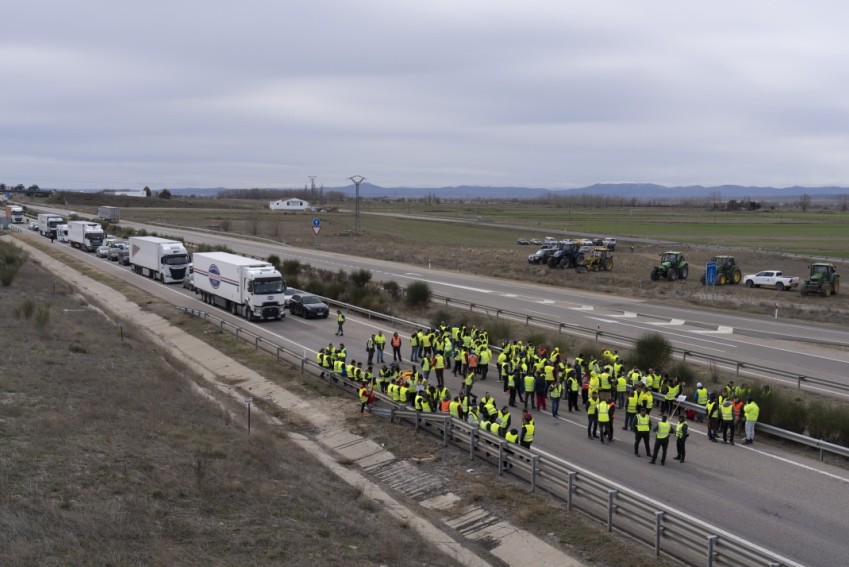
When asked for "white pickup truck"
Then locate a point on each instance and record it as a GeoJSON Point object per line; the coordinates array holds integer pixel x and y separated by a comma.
{"type": "Point", "coordinates": [771, 278]}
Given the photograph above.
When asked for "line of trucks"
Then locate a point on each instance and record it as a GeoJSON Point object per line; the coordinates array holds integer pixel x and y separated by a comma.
{"type": "Point", "coordinates": [253, 289]}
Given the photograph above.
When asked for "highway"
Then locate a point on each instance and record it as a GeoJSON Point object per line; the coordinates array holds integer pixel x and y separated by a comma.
{"type": "Point", "coordinates": [791, 504]}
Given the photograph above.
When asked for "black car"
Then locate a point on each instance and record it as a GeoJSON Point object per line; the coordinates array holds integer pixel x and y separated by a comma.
{"type": "Point", "coordinates": [307, 305]}
{"type": "Point", "coordinates": [124, 259]}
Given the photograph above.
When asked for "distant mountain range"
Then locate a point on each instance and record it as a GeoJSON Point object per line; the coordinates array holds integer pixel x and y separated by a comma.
{"type": "Point", "coordinates": [641, 191]}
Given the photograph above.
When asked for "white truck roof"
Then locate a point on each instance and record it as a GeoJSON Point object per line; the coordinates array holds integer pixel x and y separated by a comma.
{"type": "Point", "coordinates": [232, 259]}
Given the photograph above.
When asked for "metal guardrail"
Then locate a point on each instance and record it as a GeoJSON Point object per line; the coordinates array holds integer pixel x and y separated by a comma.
{"type": "Point", "coordinates": [622, 340]}
{"type": "Point", "coordinates": [666, 529]}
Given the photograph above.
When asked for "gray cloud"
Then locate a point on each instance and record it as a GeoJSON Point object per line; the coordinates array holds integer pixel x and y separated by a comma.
{"type": "Point", "coordinates": [545, 94]}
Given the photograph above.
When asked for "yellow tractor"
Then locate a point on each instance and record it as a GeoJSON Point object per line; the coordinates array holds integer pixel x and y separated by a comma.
{"type": "Point", "coordinates": [600, 258]}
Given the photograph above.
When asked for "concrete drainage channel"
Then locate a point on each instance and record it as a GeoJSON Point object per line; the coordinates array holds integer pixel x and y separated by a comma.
{"type": "Point", "coordinates": [506, 543]}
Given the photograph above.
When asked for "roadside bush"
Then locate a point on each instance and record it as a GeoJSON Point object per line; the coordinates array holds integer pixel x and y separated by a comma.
{"type": "Point", "coordinates": [535, 339]}
{"type": "Point", "coordinates": [418, 295]}
{"type": "Point", "coordinates": [316, 287]}
{"type": "Point", "coordinates": [213, 248]}
{"type": "Point", "coordinates": [499, 331]}
{"type": "Point", "coordinates": [11, 260]}
{"type": "Point", "coordinates": [392, 288]}
{"type": "Point", "coordinates": [828, 422]}
{"type": "Point", "coordinates": [291, 267]}
{"type": "Point", "coordinates": [685, 372]}
{"type": "Point", "coordinates": [42, 316]}
{"type": "Point", "coordinates": [785, 412]}
{"type": "Point", "coordinates": [25, 309]}
{"type": "Point", "coordinates": [443, 315]}
{"type": "Point", "coordinates": [652, 351]}
{"type": "Point", "coordinates": [361, 278]}
{"type": "Point", "coordinates": [274, 260]}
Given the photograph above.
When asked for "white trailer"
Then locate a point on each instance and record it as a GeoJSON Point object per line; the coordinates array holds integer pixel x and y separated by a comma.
{"type": "Point", "coordinates": [250, 288]}
{"type": "Point", "coordinates": [85, 235]}
{"type": "Point", "coordinates": [111, 214]}
{"type": "Point", "coordinates": [15, 213]}
{"type": "Point", "coordinates": [159, 258]}
{"type": "Point", "coordinates": [47, 223]}
{"type": "Point", "coordinates": [62, 233]}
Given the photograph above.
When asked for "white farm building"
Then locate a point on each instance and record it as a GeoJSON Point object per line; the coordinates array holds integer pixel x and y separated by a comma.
{"type": "Point", "coordinates": [289, 205]}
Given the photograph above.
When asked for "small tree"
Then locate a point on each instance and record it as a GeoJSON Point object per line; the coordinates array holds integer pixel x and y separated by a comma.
{"type": "Point", "coordinates": [804, 202]}
{"type": "Point", "coordinates": [165, 194]}
{"type": "Point", "coordinates": [652, 351]}
{"type": "Point", "coordinates": [418, 295]}
{"type": "Point", "coordinates": [361, 278]}
{"type": "Point", "coordinates": [146, 191]}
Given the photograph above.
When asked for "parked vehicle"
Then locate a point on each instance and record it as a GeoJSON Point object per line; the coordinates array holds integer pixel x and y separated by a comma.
{"type": "Point", "coordinates": [287, 295]}
{"type": "Point", "coordinates": [111, 214]}
{"type": "Point", "coordinates": [771, 278]}
{"type": "Point", "coordinates": [541, 255]}
{"type": "Point", "coordinates": [308, 306]}
{"type": "Point", "coordinates": [535, 241]}
{"type": "Point", "coordinates": [727, 271]}
{"type": "Point", "coordinates": [103, 251]}
{"type": "Point", "coordinates": [550, 240]}
{"type": "Point", "coordinates": [15, 213]}
{"type": "Point", "coordinates": [47, 223]}
{"type": "Point", "coordinates": [823, 280]}
{"type": "Point", "coordinates": [116, 250]}
{"type": "Point", "coordinates": [159, 258]}
{"type": "Point", "coordinates": [124, 260]}
{"type": "Point", "coordinates": [88, 236]}
{"type": "Point", "coordinates": [62, 233]}
{"type": "Point", "coordinates": [599, 259]}
{"type": "Point", "coordinates": [567, 255]}
{"type": "Point", "coordinates": [609, 243]}
{"type": "Point", "coordinates": [522, 241]}
{"type": "Point", "coordinates": [672, 266]}
{"type": "Point", "coordinates": [253, 289]}
{"type": "Point", "coordinates": [189, 281]}
{"type": "Point", "coordinates": [33, 225]}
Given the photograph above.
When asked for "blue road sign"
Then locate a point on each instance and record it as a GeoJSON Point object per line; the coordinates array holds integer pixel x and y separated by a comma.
{"type": "Point", "coordinates": [316, 222]}
{"type": "Point", "coordinates": [710, 273]}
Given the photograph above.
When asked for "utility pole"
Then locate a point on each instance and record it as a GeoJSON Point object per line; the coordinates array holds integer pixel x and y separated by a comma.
{"type": "Point", "coordinates": [357, 179]}
{"type": "Point", "coordinates": [312, 189]}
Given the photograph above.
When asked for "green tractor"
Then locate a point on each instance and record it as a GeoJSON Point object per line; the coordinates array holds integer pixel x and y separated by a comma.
{"type": "Point", "coordinates": [727, 271]}
{"type": "Point", "coordinates": [823, 280]}
{"type": "Point", "coordinates": [672, 266]}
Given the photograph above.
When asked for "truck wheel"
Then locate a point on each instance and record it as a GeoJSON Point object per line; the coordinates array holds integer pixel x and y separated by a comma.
{"type": "Point", "coordinates": [779, 286]}
{"type": "Point", "coordinates": [579, 261]}
{"type": "Point", "coordinates": [608, 264]}
{"type": "Point", "coordinates": [750, 284]}
{"type": "Point", "coordinates": [835, 286]}
{"type": "Point", "coordinates": [672, 274]}
{"type": "Point", "coordinates": [721, 279]}
{"type": "Point", "coordinates": [685, 271]}
{"type": "Point", "coordinates": [736, 277]}
{"type": "Point", "coordinates": [655, 274]}
{"type": "Point", "coordinates": [826, 290]}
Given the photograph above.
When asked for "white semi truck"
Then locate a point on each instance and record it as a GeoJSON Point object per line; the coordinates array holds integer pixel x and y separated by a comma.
{"type": "Point", "coordinates": [47, 223]}
{"type": "Point", "coordinates": [250, 288]}
{"type": "Point", "coordinates": [15, 213]}
{"type": "Point", "coordinates": [85, 235]}
{"type": "Point", "coordinates": [159, 258]}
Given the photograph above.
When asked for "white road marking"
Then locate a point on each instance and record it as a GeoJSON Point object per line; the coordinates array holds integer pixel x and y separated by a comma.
{"type": "Point", "coordinates": [673, 322]}
{"type": "Point", "coordinates": [721, 330]}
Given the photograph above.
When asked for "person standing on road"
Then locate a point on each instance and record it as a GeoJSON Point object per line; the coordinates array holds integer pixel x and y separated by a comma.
{"type": "Point", "coordinates": [380, 344]}
{"type": "Point", "coordinates": [340, 321]}
{"type": "Point", "coordinates": [642, 428]}
{"type": "Point", "coordinates": [395, 341]}
{"type": "Point", "coordinates": [751, 411]}
{"type": "Point", "coordinates": [556, 393]}
{"type": "Point", "coordinates": [370, 349]}
{"type": "Point", "coordinates": [602, 410]}
{"type": "Point", "coordinates": [526, 437]}
{"type": "Point", "coordinates": [712, 409]}
{"type": "Point", "coordinates": [592, 415]}
{"type": "Point", "coordinates": [681, 434]}
{"type": "Point", "coordinates": [661, 440]}
{"type": "Point", "coordinates": [726, 411]}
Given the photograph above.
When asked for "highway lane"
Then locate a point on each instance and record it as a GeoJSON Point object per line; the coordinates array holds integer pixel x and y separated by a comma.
{"type": "Point", "coordinates": [791, 504]}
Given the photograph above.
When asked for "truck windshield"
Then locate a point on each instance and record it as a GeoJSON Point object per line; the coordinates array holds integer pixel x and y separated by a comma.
{"type": "Point", "coordinates": [96, 238]}
{"type": "Point", "coordinates": [53, 223]}
{"type": "Point", "coordinates": [175, 259]}
{"type": "Point", "coordinates": [268, 285]}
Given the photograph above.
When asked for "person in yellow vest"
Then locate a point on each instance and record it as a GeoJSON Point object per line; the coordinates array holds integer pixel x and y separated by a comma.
{"type": "Point", "coordinates": [646, 399]}
{"type": "Point", "coordinates": [528, 389]}
{"type": "Point", "coordinates": [454, 407]}
{"type": "Point", "coordinates": [527, 434]}
{"type": "Point", "coordinates": [661, 440]}
{"type": "Point", "coordinates": [555, 393]}
{"type": "Point", "coordinates": [592, 415]}
{"type": "Point", "coordinates": [642, 427]}
{"type": "Point", "coordinates": [483, 361]}
{"type": "Point", "coordinates": [572, 387]}
{"type": "Point", "coordinates": [340, 321]}
{"type": "Point", "coordinates": [712, 410]}
{"type": "Point", "coordinates": [631, 408]}
{"type": "Point", "coordinates": [469, 381]}
{"type": "Point", "coordinates": [751, 411]}
{"type": "Point", "coordinates": [380, 344]}
{"type": "Point", "coordinates": [682, 431]}
{"type": "Point", "coordinates": [414, 346]}
{"type": "Point", "coordinates": [426, 366]}
{"type": "Point", "coordinates": [726, 415]}
{"type": "Point", "coordinates": [404, 393]}
{"type": "Point", "coordinates": [621, 391]}
{"type": "Point", "coordinates": [365, 397]}
{"type": "Point", "coordinates": [635, 376]}
{"type": "Point", "coordinates": [602, 410]}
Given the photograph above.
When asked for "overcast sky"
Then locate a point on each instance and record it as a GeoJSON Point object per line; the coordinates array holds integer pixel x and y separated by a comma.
{"type": "Point", "coordinates": [556, 94]}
